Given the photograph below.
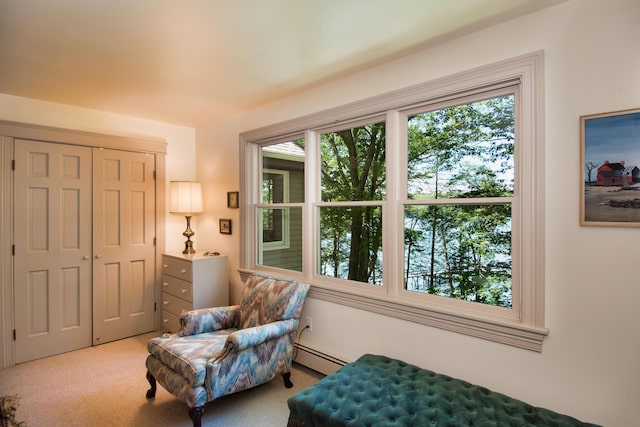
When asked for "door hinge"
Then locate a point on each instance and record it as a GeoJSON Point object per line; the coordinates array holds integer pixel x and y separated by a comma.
{"type": "Point", "coordinates": [14, 334]}
{"type": "Point", "coordinates": [13, 250]}
{"type": "Point", "coordinates": [154, 175]}
{"type": "Point", "coordinates": [154, 241]}
{"type": "Point", "coordinates": [155, 307]}
{"type": "Point", "coordinates": [13, 165]}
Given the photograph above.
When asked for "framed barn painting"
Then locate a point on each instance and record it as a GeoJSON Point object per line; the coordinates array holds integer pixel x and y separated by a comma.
{"type": "Point", "coordinates": [610, 154]}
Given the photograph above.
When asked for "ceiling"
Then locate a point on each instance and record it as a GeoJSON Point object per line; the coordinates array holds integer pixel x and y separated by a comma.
{"type": "Point", "coordinates": [190, 62]}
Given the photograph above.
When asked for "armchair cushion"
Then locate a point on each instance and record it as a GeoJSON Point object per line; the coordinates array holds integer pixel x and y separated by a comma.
{"type": "Point", "coordinates": [188, 355]}
{"type": "Point", "coordinates": [246, 338]}
{"type": "Point", "coordinates": [266, 299]}
{"type": "Point", "coordinates": [208, 320]}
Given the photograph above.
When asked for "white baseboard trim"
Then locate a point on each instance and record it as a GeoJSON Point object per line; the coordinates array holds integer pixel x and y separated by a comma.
{"type": "Point", "coordinates": [316, 360]}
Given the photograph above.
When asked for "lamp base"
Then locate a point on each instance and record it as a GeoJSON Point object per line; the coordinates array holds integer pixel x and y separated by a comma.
{"type": "Point", "coordinates": [188, 244]}
{"type": "Point", "coordinates": [188, 247]}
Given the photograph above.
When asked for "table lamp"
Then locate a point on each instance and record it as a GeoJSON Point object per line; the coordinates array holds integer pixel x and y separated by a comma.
{"type": "Point", "coordinates": [186, 199]}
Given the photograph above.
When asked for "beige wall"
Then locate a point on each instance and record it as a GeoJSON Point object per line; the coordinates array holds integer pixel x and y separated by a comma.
{"type": "Point", "coordinates": [590, 363]}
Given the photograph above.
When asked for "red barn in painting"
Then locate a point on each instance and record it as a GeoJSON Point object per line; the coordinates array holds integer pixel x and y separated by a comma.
{"type": "Point", "coordinates": [613, 174]}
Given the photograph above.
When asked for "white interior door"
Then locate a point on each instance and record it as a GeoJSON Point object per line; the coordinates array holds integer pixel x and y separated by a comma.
{"type": "Point", "coordinates": [123, 242]}
{"type": "Point", "coordinates": [52, 263]}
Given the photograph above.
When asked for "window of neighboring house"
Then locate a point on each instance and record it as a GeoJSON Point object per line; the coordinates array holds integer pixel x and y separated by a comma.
{"type": "Point", "coordinates": [444, 179]}
{"type": "Point", "coordinates": [275, 221]}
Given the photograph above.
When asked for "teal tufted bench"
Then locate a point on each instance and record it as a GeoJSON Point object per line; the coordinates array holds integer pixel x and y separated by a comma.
{"type": "Point", "coordinates": [379, 391]}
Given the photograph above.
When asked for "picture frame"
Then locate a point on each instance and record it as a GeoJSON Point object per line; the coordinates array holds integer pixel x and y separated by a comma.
{"type": "Point", "coordinates": [233, 199]}
{"type": "Point", "coordinates": [225, 226]}
{"type": "Point", "coordinates": [610, 163]}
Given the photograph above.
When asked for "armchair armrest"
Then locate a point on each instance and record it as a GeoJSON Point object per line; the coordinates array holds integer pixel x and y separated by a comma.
{"type": "Point", "coordinates": [208, 320]}
{"type": "Point", "coordinates": [251, 337]}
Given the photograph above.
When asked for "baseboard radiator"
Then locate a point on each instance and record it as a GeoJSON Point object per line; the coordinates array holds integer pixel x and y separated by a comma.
{"type": "Point", "coordinates": [316, 360]}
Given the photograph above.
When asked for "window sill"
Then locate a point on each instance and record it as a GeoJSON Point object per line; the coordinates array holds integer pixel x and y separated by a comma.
{"type": "Point", "coordinates": [496, 330]}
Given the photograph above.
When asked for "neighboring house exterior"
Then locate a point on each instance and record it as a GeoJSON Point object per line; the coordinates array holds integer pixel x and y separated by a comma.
{"type": "Point", "coordinates": [615, 174]}
{"type": "Point", "coordinates": [282, 182]}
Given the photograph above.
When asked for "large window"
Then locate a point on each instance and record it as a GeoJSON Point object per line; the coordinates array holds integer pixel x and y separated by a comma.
{"type": "Point", "coordinates": [458, 207]}
{"type": "Point", "coordinates": [352, 187]}
{"type": "Point", "coordinates": [423, 204]}
{"type": "Point", "coordinates": [279, 213]}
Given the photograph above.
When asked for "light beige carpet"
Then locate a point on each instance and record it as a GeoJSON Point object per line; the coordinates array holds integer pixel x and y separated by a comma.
{"type": "Point", "coordinates": [106, 386]}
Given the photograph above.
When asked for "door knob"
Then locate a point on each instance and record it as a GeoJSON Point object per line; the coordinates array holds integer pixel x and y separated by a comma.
{"type": "Point", "coordinates": [86, 257]}
{"type": "Point", "coordinates": [98, 256]}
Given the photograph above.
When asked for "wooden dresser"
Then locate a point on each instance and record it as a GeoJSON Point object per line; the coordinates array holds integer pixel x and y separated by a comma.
{"type": "Point", "coordinates": [190, 282]}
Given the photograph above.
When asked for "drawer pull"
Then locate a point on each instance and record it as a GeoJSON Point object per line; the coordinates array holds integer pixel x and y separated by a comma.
{"type": "Point", "coordinates": [165, 302]}
{"type": "Point", "coordinates": [166, 320]}
{"type": "Point", "coordinates": [165, 284]}
{"type": "Point", "coordinates": [184, 291]}
{"type": "Point", "coordinates": [165, 265]}
{"type": "Point", "coordinates": [183, 271]}
{"type": "Point", "coordinates": [183, 311]}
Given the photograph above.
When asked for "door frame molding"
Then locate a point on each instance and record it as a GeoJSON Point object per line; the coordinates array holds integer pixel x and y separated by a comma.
{"type": "Point", "coordinates": [9, 132]}
{"type": "Point", "coordinates": [6, 264]}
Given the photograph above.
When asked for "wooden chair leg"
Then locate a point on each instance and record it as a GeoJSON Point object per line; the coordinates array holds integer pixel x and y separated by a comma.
{"type": "Point", "coordinates": [196, 415]}
{"type": "Point", "coordinates": [151, 393]}
{"type": "Point", "coordinates": [287, 379]}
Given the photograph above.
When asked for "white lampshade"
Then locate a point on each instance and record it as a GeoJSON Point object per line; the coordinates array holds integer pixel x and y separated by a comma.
{"type": "Point", "coordinates": [186, 197]}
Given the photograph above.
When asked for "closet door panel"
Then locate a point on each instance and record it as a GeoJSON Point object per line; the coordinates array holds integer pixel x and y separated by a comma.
{"type": "Point", "coordinates": [124, 231]}
{"type": "Point", "coordinates": [52, 280]}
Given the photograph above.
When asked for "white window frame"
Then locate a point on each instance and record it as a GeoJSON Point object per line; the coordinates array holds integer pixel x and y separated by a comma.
{"type": "Point", "coordinates": [522, 326]}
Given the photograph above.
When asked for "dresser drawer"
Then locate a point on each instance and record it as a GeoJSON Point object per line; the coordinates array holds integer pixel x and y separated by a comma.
{"type": "Point", "coordinates": [175, 305]}
{"type": "Point", "coordinates": [177, 287]}
{"type": "Point", "coordinates": [179, 268]}
{"type": "Point", "coordinates": [170, 322]}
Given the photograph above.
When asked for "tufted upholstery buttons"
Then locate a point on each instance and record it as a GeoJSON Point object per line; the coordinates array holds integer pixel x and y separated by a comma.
{"type": "Point", "coordinates": [379, 391]}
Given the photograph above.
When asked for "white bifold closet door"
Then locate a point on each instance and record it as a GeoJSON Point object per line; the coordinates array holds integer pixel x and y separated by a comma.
{"type": "Point", "coordinates": [84, 227]}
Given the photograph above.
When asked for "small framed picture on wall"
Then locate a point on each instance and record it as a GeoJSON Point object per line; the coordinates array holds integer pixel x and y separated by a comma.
{"type": "Point", "coordinates": [225, 226]}
{"type": "Point", "coordinates": [233, 199]}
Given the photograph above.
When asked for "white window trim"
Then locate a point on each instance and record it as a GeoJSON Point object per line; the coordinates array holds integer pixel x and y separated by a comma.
{"type": "Point", "coordinates": [526, 330]}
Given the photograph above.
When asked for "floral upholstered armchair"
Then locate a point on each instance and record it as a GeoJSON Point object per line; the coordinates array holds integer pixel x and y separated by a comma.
{"type": "Point", "coordinates": [223, 350]}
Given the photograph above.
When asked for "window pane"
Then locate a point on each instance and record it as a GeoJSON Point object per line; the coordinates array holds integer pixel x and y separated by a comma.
{"type": "Point", "coordinates": [281, 238]}
{"type": "Point", "coordinates": [351, 243]}
{"type": "Point", "coordinates": [353, 164]}
{"type": "Point", "coordinates": [459, 251]}
{"type": "Point", "coordinates": [283, 172]}
{"type": "Point", "coordinates": [273, 225]}
{"type": "Point", "coordinates": [462, 151]}
{"type": "Point", "coordinates": [273, 187]}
